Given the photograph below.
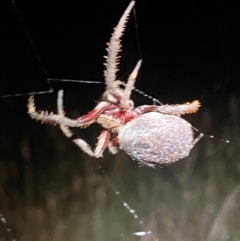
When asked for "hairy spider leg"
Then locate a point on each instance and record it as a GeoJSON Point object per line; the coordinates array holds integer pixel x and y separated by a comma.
{"type": "Point", "coordinates": [65, 123]}
{"type": "Point", "coordinates": [131, 80]}
{"type": "Point", "coordinates": [187, 108]}
{"type": "Point", "coordinates": [46, 117]}
{"type": "Point", "coordinates": [103, 139]}
{"type": "Point", "coordinates": [130, 85]}
{"type": "Point", "coordinates": [179, 109]}
{"type": "Point", "coordinates": [114, 47]}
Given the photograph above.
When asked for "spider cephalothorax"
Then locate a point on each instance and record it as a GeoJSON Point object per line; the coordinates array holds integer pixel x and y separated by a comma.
{"type": "Point", "coordinates": [151, 135]}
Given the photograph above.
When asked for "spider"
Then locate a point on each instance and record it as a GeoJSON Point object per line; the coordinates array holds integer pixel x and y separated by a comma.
{"type": "Point", "coordinates": [151, 135]}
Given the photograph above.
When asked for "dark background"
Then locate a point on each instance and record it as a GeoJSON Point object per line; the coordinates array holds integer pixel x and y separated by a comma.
{"type": "Point", "coordinates": [190, 50]}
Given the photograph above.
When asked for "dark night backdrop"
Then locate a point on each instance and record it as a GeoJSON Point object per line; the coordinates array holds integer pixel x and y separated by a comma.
{"type": "Point", "coordinates": [190, 50]}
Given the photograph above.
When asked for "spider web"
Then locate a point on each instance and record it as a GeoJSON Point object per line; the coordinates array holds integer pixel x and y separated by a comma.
{"type": "Point", "coordinates": [175, 71]}
{"type": "Point", "coordinates": [20, 66]}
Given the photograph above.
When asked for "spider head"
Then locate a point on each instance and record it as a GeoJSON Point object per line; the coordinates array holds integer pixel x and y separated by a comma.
{"type": "Point", "coordinates": [117, 96]}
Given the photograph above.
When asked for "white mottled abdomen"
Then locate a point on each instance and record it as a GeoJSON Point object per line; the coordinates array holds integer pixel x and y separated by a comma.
{"type": "Point", "coordinates": [154, 139]}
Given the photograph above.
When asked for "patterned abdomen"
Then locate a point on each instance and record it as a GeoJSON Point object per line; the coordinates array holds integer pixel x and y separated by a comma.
{"type": "Point", "coordinates": [154, 139]}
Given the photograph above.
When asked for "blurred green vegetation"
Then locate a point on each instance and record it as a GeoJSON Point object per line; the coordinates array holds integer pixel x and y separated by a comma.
{"type": "Point", "coordinates": [51, 191]}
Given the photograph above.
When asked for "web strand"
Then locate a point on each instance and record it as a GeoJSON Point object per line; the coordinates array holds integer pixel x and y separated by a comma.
{"type": "Point", "coordinates": [10, 236]}
{"type": "Point", "coordinates": [131, 211]}
{"type": "Point", "coordinates": [213, 137]}
{"type": "Point", "coordinates": [29, 37]}
{"type": "Point", "coordinates": [35, 51]}
{"type": "Point", "coordinates": [155, 101]}
{"type": "Point", "coordinates": [49, 80]}
{"type": "Point", "coordinates": [137, 32]}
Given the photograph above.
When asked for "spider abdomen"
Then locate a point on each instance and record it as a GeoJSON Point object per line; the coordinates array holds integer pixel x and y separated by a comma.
{"type": "Point", "coordinates": [154, 139]}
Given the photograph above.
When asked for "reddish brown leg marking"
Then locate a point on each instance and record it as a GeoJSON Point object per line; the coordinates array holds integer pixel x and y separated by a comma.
{"type": "Point", "coordinates": [102, 143]}
{"type": "Point", "coordinates": [92, 115]}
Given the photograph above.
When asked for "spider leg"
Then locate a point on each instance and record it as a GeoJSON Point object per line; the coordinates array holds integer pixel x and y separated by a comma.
{"type": "Point", "coordinates": [187, 108]}
{"type": "Point", "coordinates": [61, 119]}
{"type": "Point", "coordinates": [83, 145]}
{"type": "Point", "coordinates": [131, 80]}
{"type": "Point", "coordinates": [102, 143]}
{"type": "Point", "coordinates": [111, 147]}
{"type": "Point", "coordinates": [130, 84]}
{"type": "Point", "coordinates": [67, 132]}
{"type": "Point", "coordinates": [49, 118]}
{"type": "Point", "coordinates": [95, 113]}
{"type": "Point", "coordinates": [114, 48]}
